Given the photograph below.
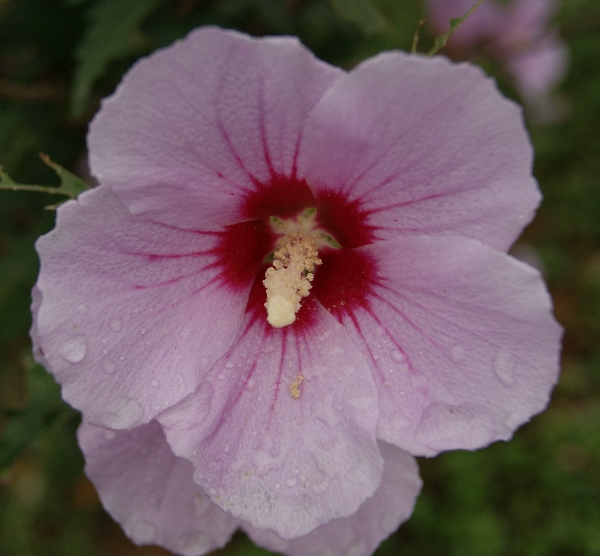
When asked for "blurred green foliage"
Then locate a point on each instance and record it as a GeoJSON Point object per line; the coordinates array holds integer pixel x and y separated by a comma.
{"type": "Point", "coordinates": [538, 494]}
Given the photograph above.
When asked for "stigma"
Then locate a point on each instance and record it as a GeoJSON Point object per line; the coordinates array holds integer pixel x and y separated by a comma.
{"type": "Point", "coordinates": [290, 277]}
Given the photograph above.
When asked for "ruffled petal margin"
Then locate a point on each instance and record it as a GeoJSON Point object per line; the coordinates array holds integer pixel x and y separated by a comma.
{"type": "Point", "coordinates": [422, 146]}
{"type": "Point", "coordinates": [195, 128]}
{"type": "Point", "coordinates": [150, 491]}
{"type": "Point", "coordinates": [361, 533]}
{"type": "Point", "coordinates": [461, 340]}
{"type": "Point", "coordinates": [282, 430]}
{"type": "Point", "coordinates": [133, 313]}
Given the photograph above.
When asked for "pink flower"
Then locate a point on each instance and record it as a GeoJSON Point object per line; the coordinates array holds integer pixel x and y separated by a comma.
{"type": "Point", "coordinates": [517, 34]}
{"type": "Point", "coordinates": [398, 186]}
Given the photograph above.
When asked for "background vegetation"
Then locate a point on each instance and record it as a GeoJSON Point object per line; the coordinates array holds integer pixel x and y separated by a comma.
{"type": "Point", "coordinates": [538, 494]}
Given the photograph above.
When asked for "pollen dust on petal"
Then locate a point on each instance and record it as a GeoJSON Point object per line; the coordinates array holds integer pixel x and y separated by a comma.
{"type": "Point", "coordinates": [290, 277]}
{"type": "Point", "coordinates": [295, 386]}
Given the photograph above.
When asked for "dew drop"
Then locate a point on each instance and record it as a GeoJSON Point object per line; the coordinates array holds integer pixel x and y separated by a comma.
{"type": "Point", "coordinates": [376, 357]}
{"type": "Point", "coordinates": [73, 350]}
{"type": "Point", "coordinates": [221, 377]}
{"type": "Point", "coordinates": [115, 325]}
{"type": "Point", "coordinates": [443, 426]}
{"type": "Point", "coordinates": [504, 367]}
{"type": "Point", "coordinates": [291, 482]}
{"type": "Point", "coordinates": [123, 413]}
{"type": "Point", "coordinates": [229, 365]}
{"type": "Point", "coordinates": [110, 367]}
{"type": "Point", "coordinates": [194, 542]}
{"type": "Point", "coordinates": [142, 531]}
{"type": "Point", "coordinates": [142, 331]}
{"type": "Point", "coordinates": [398, 356]}
{"type": "Point", "coordinates": [277, 486]}
{"type": "Point", "coordinates": [458, 353]}
{"type": "Point", "coordinates": [109, 435]}
{"type": "Point", "coordinates": [154, 383]}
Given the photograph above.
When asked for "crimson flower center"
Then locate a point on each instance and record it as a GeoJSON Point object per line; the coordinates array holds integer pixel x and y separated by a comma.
{"type": "Point", "coordinates": [289, 279]}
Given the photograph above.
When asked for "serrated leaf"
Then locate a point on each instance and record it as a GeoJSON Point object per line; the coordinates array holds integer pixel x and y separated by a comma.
{"type": "Point", "coordinates": [363, 13]}
{"type": "Point", "coordinates": [113, 34]}
{"type": "Point", "coordinates": [70, 185]}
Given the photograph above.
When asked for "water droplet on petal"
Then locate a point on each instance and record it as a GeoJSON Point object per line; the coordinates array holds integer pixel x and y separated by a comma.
{"type": "Point", "coordinates": [229, 365]}
{"type": "Point", "coordinates": [73, 350]}
{"type": "Point", "coordinates": [291, 482]}
{"type": "Point", "coordinates": [504, 367]}
{"type": "Point", "coordinates": [154, 383]}
{"type": "Point", "coordinates": [277, 485]}
{"type": "Point", "coordinates": [194, 542]}
{"type": "Point", "coordinates": [109, 435]}
{"type": "Point", "coordinates": [458, 353]}
{"type": "Point", "coordinates": [221, 377]}
{"type": "Point", "coordinates": [398, 356]}
{"type": "Point", "coordinates": [115, 325]}
{"type": "Point", "coordinates": [448, 427]}
{"type": "Point", "coordinates": [376, 357]}
{"type": "Point", "coordinates": [142, 331]}
{"type": "Point", "coordinates": [123, 413]}
{"type": "Point", "coordinates": [142, 531]}
{"type": "Point", "coordinates": [110, 367]}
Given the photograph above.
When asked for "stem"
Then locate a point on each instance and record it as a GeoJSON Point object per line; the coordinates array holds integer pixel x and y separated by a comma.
{"type": "Point", "coordinates": [455, 23]}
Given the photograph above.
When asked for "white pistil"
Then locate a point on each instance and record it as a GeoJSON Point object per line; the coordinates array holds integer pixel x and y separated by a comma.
{"type": "Point", "coordinates": [290, 277]}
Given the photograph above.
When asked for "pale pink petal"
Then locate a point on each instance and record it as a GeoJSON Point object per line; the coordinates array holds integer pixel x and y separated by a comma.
{"type": "Point", "coordinates": [461, 341]}
{"type": "Point", "coordinates": [133, 313]}
{"type": "Point", "coordinates": [196, 127]}
{"type": "Point", "coordinates": [284, 463]}
{"type": "Point", "coordinates": [539, 68]}
{"type": "Point", "coordinates": [150, 491]}
{"type": "Point", "coordinates": [422, 146]}
{"type": "Point", "coordinates": [525, 21]}
{"type": "Point", "coordinates": [361, 533]}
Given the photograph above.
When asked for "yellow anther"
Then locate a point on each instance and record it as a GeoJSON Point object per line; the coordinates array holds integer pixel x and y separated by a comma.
{"type": "Point", "coordinates": [295, 387]}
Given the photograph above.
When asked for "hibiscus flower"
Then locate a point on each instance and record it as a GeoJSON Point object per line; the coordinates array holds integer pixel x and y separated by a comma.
{"type": "Point", "coordinates": [290, 279]}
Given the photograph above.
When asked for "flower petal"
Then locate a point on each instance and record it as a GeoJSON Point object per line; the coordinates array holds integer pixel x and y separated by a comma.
{"type": "Point", "coordinates": [150, 491]}
{"type": "Point", "coordinates": [422, 146]}
{"type": "Point", "coordinates": [283, 457]}
{"type": "Point", "coordinates": [361, 533]}
{"type": "Point", "coordinates": [195, 127]}
{"type": "Point", "coordinates": [133, 312]}
{"type": "Point", "coordinates": [461, 340]}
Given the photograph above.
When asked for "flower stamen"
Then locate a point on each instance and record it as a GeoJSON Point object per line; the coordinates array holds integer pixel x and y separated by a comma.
{"type": "Point", "coordinates": [295, 387]}
{"type": "Point", "coordinates": [290, 277]}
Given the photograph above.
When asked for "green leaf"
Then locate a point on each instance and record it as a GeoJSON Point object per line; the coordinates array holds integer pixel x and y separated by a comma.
{"type": "Point", "coordinates": [44, 407]}
{"type": "Point", "coordinates": [113, 34]}
{"type": "Point", "coordinates": [363, 13]}
{"type": "Point", "coordinates": [70, 185]}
